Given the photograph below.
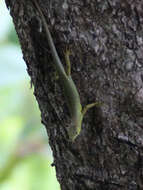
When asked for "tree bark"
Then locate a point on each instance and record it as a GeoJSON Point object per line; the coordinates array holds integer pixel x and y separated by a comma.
{"type": "Point", "coordinates": [106, 43]}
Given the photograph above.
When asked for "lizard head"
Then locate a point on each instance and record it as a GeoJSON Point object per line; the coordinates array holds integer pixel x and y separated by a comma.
{"type": "Point", "coordinates": [75, 128]}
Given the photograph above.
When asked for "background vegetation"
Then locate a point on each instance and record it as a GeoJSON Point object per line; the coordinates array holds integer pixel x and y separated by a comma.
{"type": "Point", "coordinates": [25, 156]}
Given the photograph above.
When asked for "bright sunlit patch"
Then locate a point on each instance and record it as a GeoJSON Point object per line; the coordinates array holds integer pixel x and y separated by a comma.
{"type": "Point", "coordinates": [5, 20]}
{"type": "Point", "coordinates": [10, 129]}
{"type": "Point", "coordinates": [13, 68]}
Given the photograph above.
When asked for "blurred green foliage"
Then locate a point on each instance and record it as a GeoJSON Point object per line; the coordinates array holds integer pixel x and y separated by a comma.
{"type": "Point", "coordinates": [12, 37]}
{"type": "Point", "coordinates": [25, 156]}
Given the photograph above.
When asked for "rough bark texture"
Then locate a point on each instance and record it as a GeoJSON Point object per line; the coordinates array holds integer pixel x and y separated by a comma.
{"type": "Point", "coordinates": [106, 41]}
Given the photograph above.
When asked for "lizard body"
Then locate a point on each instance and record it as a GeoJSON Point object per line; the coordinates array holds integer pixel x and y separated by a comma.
{"type": "Point", "coordinates": [69, 87]}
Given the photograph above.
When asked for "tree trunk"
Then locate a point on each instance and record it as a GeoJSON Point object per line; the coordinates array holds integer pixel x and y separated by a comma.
{"type": "Point", "coordinates": [106, 43]}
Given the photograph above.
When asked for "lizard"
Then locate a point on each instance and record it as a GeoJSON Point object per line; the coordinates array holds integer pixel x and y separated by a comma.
{"type": "Point", "coordinates": [69, 88]}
